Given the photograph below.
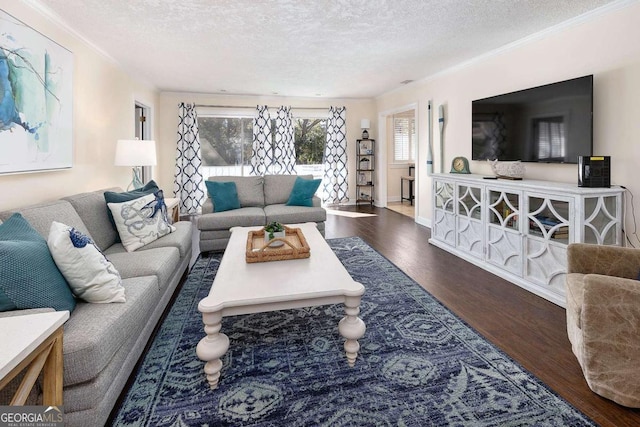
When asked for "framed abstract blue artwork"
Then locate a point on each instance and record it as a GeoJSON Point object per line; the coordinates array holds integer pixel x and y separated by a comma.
{"type": "Point", "coordinates": [36, 95]}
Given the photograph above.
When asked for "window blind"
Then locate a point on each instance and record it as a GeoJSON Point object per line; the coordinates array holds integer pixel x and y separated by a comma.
{"type": "Point", "coordinates": [404, 134]}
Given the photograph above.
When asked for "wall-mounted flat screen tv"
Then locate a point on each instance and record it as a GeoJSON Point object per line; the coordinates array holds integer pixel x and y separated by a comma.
{"type": "Point", "coordinates": [548, 124]}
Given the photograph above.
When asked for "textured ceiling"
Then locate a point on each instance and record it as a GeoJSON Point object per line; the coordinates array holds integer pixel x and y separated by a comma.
{"type": "Point", "coordinates": [328, 48]}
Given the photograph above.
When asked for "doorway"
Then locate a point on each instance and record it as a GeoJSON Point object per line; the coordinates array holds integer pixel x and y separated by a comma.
{"type": "Point", "coordinates": [402, 151]}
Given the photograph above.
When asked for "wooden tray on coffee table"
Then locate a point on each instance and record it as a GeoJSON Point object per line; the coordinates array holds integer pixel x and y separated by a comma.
{"type": "Point", "coordinates": [295, 246]}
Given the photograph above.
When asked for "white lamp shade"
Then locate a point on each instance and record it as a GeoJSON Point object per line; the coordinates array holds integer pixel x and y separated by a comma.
{"type": "Point", "coordinates": [365, 124]}
{"type": "Point", "coordinates": [134, 152]}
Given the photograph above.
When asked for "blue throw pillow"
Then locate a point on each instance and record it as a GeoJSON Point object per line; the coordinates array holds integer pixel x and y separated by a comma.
{"type": "Point", "coordinates": [224, 195]}
{"type": "Point", "coordinates": [303, 191]}
{"type": "Point", "coordinates": [29, 278]}
{"type": "Point", "coordinates": [114, 197]}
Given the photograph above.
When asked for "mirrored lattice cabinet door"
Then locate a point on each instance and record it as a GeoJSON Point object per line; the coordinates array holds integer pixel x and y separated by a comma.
{"type": "Point", "coordinates": [470, 226]}
{"type": "Point", "coordinates": [443, 226]}
{"type": "Point", "coordinates": [602, 220]}
{"type": "Point", "coordinates": [504, 240]}
{"type": "Point", "coordinates": [548, 229]}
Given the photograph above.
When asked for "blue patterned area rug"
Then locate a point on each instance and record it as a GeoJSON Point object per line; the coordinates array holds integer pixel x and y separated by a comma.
{"type": "Point", "coordinates": [419, 365]}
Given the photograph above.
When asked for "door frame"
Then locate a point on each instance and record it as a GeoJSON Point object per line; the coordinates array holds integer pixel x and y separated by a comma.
{"type": "Point", "coordinates": [143, 130]}
{"type": "Point", "coordinates": [383, 149]}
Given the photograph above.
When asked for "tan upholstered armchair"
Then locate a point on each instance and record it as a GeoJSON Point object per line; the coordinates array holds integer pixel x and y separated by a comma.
{"type": "Point", "coordinates": [603, 318]}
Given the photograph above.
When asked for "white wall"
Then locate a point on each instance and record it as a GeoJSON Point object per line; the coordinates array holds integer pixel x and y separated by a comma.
{"type": "Point", "coordinates": [103, 112]}
{"type": "Point", "coordinates": [168, 122]}
{"type": "Point", "coordinates": [605, 45]}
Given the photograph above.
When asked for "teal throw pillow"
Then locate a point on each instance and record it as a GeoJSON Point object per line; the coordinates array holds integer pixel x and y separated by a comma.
{"type": "Point", "coordinates": [114, 197]}
{"type": "Point", "coordinates": [303, 191]}
{"type": "Point", "coordinates": [29, 278]}
{"type": "Point", "coordinates": [224, 195]}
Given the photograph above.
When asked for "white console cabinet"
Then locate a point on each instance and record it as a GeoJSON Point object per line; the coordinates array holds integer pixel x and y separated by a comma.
{"type": "Point", "coordinates": [519, 230]}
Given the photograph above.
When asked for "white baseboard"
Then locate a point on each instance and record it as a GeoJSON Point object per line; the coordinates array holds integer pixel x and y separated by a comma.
{"type": "Point", "coordinates": [423, 221]}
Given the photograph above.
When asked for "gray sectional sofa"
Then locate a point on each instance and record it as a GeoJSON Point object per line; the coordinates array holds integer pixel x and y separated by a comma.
{"type": "Point", "coordinates": [103, 342]}
{"type": "Point", "coordinates": [262, 200]}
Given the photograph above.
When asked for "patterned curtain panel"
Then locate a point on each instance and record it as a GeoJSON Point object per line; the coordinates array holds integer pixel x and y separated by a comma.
{"type": "Point", "coordinates": [284, 150]}
{"type": "Point", "coordinates": [335, 185]}
{"type": "Point", "coordinates": [188, 184]}
{"type": "Point", "coordinates": [262, 154]}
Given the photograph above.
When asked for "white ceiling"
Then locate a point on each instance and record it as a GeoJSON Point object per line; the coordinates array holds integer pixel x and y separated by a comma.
{"type": "Point", "coordinates": [327, 48]}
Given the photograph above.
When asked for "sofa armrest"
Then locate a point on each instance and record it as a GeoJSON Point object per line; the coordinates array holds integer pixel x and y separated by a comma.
{"type": "Point", "coordinates": [610, 321]}
{"type": "Point", "coordinates": [207, 205]}
{"type": "Point", "coordinates": [606, 260]}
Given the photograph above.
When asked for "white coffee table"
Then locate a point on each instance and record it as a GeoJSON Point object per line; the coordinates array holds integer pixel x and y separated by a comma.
{"type": "Point", "coordinates": [243, 288]}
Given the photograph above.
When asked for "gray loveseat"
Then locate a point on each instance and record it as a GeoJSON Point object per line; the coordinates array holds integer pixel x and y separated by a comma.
{"type": "Point", "coordinates": [103, 342]}
{"type": "Point", "coordinates": [262, 200]}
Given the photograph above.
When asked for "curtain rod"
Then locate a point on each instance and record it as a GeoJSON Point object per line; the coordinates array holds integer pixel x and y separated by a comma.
{"type": "Point", "coordinates": [253, 107]}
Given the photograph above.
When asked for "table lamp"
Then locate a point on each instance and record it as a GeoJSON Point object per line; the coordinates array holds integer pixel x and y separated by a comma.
{"type": "Point", "coordinates": [135, 153]}
{"type": "Point", "coordinates": [365, 124]}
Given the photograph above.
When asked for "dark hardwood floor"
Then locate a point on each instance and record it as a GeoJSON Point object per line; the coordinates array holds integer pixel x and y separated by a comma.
{"type": "Point", "coordinates": [526, 327]}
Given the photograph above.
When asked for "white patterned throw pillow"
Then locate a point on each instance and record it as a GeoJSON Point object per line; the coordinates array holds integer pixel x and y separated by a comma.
{"type": "Point", "coordinates": [91, 276]}
{"type": "Point", "coordinates": [141, 221]}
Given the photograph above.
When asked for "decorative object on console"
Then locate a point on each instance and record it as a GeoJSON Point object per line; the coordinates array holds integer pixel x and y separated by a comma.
{"type": "Point", "coordinates": [91, 276]}
{"type": "Point", "coordinates": [594, 171]}
{"type": "Point", "coordinates": [365, 124]}
{"type": "Point", "coordinates": [135, 153]}
{"type": "Point", "coordinates": [460, 165]}
{"type": "Point", "coordinates": [509, 170]}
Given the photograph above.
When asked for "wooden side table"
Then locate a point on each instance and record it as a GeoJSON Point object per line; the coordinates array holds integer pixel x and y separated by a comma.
{"type": "Point", "coordinates": [173, 208]}
{"type": "Point", "coordinates": [34, 342]}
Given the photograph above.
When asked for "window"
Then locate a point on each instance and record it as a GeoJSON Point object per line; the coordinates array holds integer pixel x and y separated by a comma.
{"type": "Point", "coordinates": [404, 136]}
{"type": "Point", "coordinates": [310, 140]}
{"type": "Point", "coordinates": [226, 143]}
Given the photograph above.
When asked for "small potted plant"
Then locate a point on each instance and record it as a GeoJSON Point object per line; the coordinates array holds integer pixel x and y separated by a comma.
{"type": "Point", "coordinates": [273, 230]}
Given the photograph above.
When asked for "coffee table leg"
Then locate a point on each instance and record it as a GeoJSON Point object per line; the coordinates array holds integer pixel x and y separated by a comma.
{"type": "Point", "coordinates": [212, 347]}
{"type": "Point", "coordinates": [351, 327]}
